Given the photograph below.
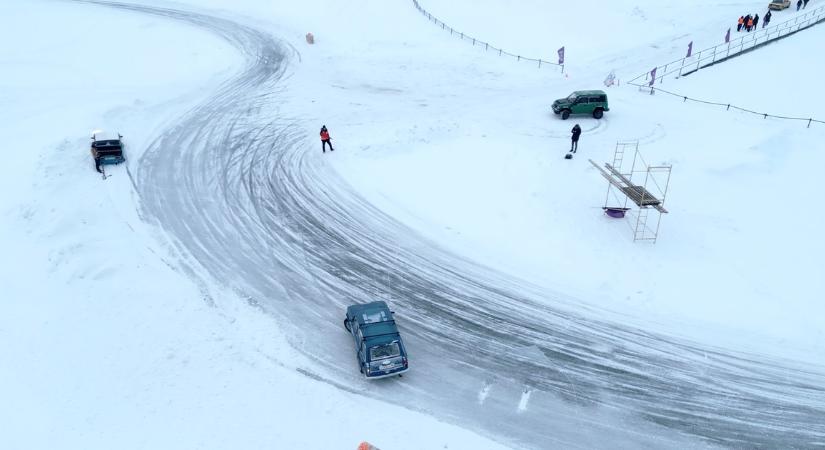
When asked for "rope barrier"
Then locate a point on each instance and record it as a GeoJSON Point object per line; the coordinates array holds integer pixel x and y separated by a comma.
{"type": "Point", "coordinates": [729, 106]}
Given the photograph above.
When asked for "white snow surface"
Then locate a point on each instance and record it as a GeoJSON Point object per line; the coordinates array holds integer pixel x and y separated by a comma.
{"type": "Point", "coordinates": [105, 342]}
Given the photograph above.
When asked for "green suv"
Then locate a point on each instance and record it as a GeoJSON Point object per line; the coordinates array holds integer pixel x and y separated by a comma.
{"type": "Point", "coordinates": [582, 102]}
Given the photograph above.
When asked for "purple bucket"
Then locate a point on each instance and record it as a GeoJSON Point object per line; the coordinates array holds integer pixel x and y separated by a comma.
{"type": "Point", "coordinates": [616, 213]}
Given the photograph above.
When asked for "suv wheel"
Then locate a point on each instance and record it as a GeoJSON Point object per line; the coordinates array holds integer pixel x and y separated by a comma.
{"type": "Point", "coordinates": [346, 325]}
{"type": "Point", "coordinates": [565, 114]}
{"type": "Point", "coordinates": [598, 113]}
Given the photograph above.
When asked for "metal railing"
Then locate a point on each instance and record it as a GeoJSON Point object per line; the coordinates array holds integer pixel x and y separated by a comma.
{"type": "Point", "coordinates": [487, 46]}
{"type": "Point", "coordinates": [712, 55]}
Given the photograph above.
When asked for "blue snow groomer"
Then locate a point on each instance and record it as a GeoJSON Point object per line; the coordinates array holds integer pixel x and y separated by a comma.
{"type": "Point", "coordinates": [106, 148]}
{"type": "Point", "coordinates": [381, 352]}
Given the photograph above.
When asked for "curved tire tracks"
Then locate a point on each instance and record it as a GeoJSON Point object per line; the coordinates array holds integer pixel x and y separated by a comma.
{"type": "Point", "coordinates": [239, 193]}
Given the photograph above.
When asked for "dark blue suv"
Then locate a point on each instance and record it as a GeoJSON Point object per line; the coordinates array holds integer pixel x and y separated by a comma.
{"type": "Point", "coordinates": [381, 352]}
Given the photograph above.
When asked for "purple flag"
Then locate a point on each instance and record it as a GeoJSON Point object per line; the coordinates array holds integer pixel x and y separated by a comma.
{"type": "Point", "coordinates": [727, 37]}
{"type": "Point", "coordinates": [690, 49]}
{"type": "Point", "coordinates": [652, 77]}
{"type": "Point", "coordinates": [561, 55]}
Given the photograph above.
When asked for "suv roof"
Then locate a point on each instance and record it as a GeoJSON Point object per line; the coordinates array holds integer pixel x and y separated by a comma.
{"type": "Point", "coordinates": [370, 312]}
{"type": "Point", "coordinates": [100, 135]}
{"type": "Point", "coordinates": [594, 92]}
{"type": "Point", "coordinates": [375, 321]}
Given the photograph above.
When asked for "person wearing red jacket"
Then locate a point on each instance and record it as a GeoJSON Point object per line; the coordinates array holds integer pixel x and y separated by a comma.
{"type": "Point", "coordinates": [325, 139]}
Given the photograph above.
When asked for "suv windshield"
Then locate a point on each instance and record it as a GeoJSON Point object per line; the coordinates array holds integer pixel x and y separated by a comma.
{"type": "Point", "coordinates": [385, 351]}
{"type": "Point", "coordinates": [572, 97]}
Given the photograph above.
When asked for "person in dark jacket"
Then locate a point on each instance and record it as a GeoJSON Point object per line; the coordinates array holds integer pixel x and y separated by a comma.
{"type": "Point", "coordinates": [325, 139]}
{"type": "Point", "coordinates": [740, 23]}
{"type": "Point", "coordinates": [574, 139]}
{"type": "Point", "coordinates": [798, 4]}
{"type": "Point", "coordinates": [97, 165]}
{"type": "Point", "coordinates": [755, 21]}
{"type": "Point", "coordinates": [767, 19]}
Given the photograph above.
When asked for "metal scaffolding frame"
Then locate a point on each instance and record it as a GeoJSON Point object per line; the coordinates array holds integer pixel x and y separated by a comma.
{"type": "Point", "coordinates": [649, 196]}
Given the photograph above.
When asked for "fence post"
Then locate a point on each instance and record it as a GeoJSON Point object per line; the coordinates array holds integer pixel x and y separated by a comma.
{"type": "Point", "coordinates": [682, 67]}
{"type": "Point", "coordinates": [539, 63]}
{"type": "Point", "coordinates": [486, 46]}
{"type": "Point", "coordinates": [474, 41]}
{"type": "Point", "coordinates": [714, 55]}
{"type": "Point", "coordinates": [809, 123]}
{"type": "Point", "coordinates": [698, 60]}
{"type": "Point", "coordinates": [664, 72]}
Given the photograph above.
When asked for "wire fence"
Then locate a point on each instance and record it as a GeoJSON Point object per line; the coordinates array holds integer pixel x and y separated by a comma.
{"type": "Point", "coordinates": [487, 46]}
{"type": "Point", "coordinates": [713, 55]}
{"type": "Point", "coordinates": [733, 47]}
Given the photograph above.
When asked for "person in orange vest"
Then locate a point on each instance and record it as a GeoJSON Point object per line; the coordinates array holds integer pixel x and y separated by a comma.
{"type": "Point", "coordinates": [750, 24]}
{"type": "Point", "coordinates": [325, 139]}
{"type": "Point", "coordinates": [740, 23]}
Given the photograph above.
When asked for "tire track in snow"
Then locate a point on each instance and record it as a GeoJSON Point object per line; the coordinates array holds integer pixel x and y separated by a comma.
{"type": "Point", "coordinates": [238, 193]}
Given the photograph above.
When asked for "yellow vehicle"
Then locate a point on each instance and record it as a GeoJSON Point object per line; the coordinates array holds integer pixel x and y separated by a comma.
{"type": "Point", "coordinates": [779, 4]}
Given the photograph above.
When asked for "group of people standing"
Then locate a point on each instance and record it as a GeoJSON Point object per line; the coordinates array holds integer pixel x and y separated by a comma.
{"type": "Point", "coordinates": [749, 22]}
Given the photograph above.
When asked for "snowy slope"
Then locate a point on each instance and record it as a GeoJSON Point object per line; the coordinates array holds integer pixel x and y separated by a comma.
{"type": "Point", "coordinates": [737, 252]}
{"type": "Point", "coordinates": [196, 325]}
{"type": "Point", "coordinates": [104, 342]}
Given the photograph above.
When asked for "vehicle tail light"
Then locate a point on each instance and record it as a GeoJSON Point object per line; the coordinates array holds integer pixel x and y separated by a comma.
{"type": "Point", "coordinates": [404, 360]}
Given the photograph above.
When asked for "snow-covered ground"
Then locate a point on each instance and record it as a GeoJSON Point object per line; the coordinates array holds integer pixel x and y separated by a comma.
{"type": "Point", "coordinates": [476, 163]}
{"type": "Point", "coordinates": [108, 340]}
{"type": "Point", "coordinates": [104, 342]}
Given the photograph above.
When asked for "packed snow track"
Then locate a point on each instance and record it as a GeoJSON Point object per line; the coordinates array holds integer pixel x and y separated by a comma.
{"type": "Point", "coordinates": [234, 187]}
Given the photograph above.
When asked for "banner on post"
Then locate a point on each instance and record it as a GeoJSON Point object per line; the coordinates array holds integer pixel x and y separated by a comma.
{"type": "Point", "coordinates": [611, 79]}
{"type": "Point", "coordinates": [727, 37]}
{"type": "Point", "coordinates": [652, 77]}
{"type": "Point", "coordinates": [561, 55]}
{"type": "Point", "coordinates": [690, 49]}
